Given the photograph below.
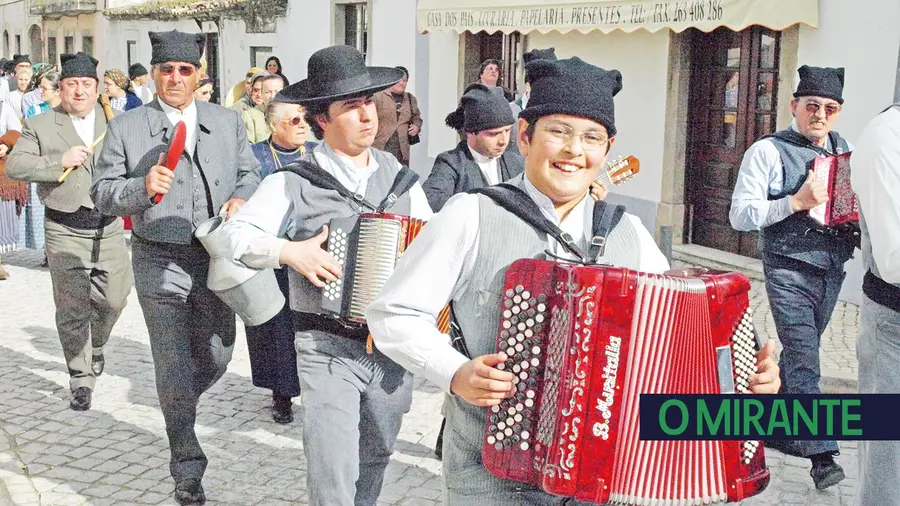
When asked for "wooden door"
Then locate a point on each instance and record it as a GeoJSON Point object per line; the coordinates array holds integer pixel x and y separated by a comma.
{"type": "Point", "coordinates": [505, 48]}
{"type": "Point", "coordinates": [734, 86]}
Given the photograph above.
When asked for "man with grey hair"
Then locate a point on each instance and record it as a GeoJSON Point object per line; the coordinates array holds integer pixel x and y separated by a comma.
{"type": "Point", "coordinates": [254, 118]}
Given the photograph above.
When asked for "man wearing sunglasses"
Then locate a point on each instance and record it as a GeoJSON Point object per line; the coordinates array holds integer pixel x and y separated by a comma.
{"type": "Point", "coordinates": [803, 261]}
{"type": "Point", "coordinates": [192, 331]}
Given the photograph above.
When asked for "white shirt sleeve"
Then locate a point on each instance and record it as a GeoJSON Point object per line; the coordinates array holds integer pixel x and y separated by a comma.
{"type": "Point", "coordinates": [8, 120]}
{"type": "Point", "coordinates": [255, 234]}
{"type": "Point", "coordinates": [875, 175]}
{"type": "Point", "coordinates": [435, 269]}
{"type": "Point", "coordinates": [751, 208]}
{"type": "Point", "coordinates": [418, 203]}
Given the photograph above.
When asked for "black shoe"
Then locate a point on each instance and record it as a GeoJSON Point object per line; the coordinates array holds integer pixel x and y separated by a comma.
{"type": "Point", "coordinates": [45, 263]}
{"type": "Point", "coordinates": [81, 399]}
{"type": "Point", "coordinates": [282, 409]}
{"type": "Point", "coordinates": [189, 491]}
{"type": "Point", "coordinates": [97, 364]}
{"type": "Point", "coordinates": [826, 474]}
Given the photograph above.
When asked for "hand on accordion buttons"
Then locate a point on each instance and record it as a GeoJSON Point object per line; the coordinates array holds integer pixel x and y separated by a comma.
{"type": "Point", "coordinates": [766, 380]}
{"type": "Point", "coordinates": [811, 194]}
{"type": "Point", "coordinates": [480, 383]}
{"type": "Point", "coordinates": [308, 258]}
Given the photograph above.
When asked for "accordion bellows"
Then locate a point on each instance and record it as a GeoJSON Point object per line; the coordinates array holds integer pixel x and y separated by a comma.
{"type": "Point", "coordinates": [583, 343]}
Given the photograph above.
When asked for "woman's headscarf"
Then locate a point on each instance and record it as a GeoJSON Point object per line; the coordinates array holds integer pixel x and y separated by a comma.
{"type": "Point", "coordinates": [119, 79]}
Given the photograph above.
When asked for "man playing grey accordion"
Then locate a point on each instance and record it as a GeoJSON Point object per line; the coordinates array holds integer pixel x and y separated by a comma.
{"type": "Point", "coordinates": [353, 399]}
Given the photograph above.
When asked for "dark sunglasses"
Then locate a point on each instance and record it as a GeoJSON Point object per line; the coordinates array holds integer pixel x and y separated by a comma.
{"type": "Point", "coordinates": [830, 109]}
{"type": "Point", "coordinates": [185, 70]}
{"type": "Point", "coordinates": [294, 121]}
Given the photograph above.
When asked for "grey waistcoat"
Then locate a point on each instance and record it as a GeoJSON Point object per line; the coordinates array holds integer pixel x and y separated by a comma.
{"type": "Point", "coordinates": [502, 239]}
{"type": "Point", "coordinates": [798, 236]}
{"type": "Point", "coordinates": [313, 207]}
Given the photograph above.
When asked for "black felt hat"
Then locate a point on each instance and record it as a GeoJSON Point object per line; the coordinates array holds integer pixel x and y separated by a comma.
{"type": "Point", "coordinates": [481, 108]}
{"type": "Point", "coordinates": [539, 54]}
{"type": "Point", "coordinates": [572, 87]}
{"type": "Point", "coordinates": [20, 58]}
{"type": "Point", "coordinates": [339, 72]}
{"type": "Point", "coordinates": [176, 46]}
{"type": "Point", "coordinates": [78, 65]}
{"type": "Point", "coordinates": [136, 70]}
{"type": "Point", "coordinates": [823, 82]}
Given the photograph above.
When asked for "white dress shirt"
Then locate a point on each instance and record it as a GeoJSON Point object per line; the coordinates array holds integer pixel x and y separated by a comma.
{"type": "Point", "coordinates": [143, 92]}
{"type": "Point", "coordinates": [8, 119]}
{"type": "Point", "coordinates": [257, 232]}
{"type": "Point", "coordinates": [760, 176]}
{"type": "Point", "coordinates": [84, 127]}
{"type": "Point", "coordinates": [14, 100]}
{"type": "Point", "coordinates": [875, 176]}
{"type": "Point", "coordinates": [438, 266]}
{"type": "Point", "coordinates": [189, 116]}
{"type": "Point", "coordinates": [489, 167]}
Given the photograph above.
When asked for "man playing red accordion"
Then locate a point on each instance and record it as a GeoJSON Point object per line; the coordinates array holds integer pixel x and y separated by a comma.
{"type": "Point", "coordinates": [803, 261]}
{"type": "Point", "coordinates": [565, 134]}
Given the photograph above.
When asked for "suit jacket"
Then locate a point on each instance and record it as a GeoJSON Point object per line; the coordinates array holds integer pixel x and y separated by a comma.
{"type": "Point", "coordinates": [133, 144]}
{"type": "Point", "coordinates": [456, 171]}
{"type": "Point", "coordinates": [389, 122]}
{"type": "Point", "coordinates": [38, 158]}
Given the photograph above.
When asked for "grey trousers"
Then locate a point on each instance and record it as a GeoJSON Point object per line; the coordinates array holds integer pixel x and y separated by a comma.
{"type": "Point", "coordinates": [802, 298]}
{"type": "Point", "coordinates": [192, 336]}
{"type": "Point", "coordinates": [91, 279]}
{"type": "Point", "coordinates": [352, 405]}
{"type": "Point", "coordinates": [468, 483]}
{"type": "Point", "coordinates": [878, 351]}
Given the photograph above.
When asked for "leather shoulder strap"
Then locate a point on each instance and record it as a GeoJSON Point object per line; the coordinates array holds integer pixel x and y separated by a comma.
{"type": "Point", "coordinates": [520, 204]}
{"type": "Point", "coordinates": [606, 217]}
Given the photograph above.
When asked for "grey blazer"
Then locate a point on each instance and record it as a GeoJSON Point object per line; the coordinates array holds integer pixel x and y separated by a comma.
{"type": "Point", "coordinates": [38, 158]}
{"type": "Point", "coordinates": [224, 163]}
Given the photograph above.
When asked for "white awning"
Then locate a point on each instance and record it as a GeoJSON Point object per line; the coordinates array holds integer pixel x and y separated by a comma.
{"type": "Point", "coordinates": [608, 15]}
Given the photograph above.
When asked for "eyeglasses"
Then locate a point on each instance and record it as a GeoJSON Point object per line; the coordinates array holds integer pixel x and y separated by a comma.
{"type": "Point", "coordinates": [295, 121]}
{"type": "Point", "coordinates": [830, 109]}
{"type": "Point", "coordinates": [589, 140]}
{"type": "Point", "coordinates": [168, 69]}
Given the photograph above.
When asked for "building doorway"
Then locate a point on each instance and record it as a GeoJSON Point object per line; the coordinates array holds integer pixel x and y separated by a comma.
{"type": "Point", "coordinates": [36, 43]}
{"type": "Point", "coordinates": [506, 48]}
{"type": "Point", "coordinates": [734, 86]}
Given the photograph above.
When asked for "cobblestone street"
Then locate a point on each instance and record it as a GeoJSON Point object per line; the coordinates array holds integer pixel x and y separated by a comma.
{"type": "Point", "coordinates": [117, 454]}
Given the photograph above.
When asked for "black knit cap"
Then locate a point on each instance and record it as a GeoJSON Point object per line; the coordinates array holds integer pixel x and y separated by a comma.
{"type": "Point", "coordinates": [176, 46]}
{"type": "Point", "coordinates": [823, 82]}
{"type": "Point", "coordinates": [539, 54]}
{"type": "Point", "coordinates": [572, 87]}
{"type": "Point", "coordinates": [78, 65]}
{"type": "Point", "coordinates": [136, 70]}
{"type": "Point", "coordinates": [481, 108]}
{"type": "Point", "coordinates": [20, 58]}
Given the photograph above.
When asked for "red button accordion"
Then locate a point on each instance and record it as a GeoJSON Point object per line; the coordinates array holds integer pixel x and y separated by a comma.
{"type": "Point", "coordinates": [842, 206]}
{"type": "Point", "coordinates": [368, 247]}
{"type": "Point", "coordinates": [583, 343]}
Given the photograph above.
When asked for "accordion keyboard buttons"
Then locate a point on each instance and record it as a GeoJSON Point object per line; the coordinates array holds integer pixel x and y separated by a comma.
{"type": "Point", "coordinates": [523, 316]}
{"type": "Point", "coordinates": [744, 355]}
{"type": "Point", "coordinates": [337, 246]}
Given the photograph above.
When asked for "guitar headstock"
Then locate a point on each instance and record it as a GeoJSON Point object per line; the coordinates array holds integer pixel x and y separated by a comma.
{"type": "Point", "coordinates": [623, 168]}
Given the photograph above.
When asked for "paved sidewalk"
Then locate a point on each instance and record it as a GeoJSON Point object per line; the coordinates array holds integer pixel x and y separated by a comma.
{"type": "Point", "coordinates": [116, 453]}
